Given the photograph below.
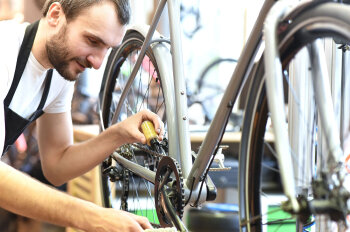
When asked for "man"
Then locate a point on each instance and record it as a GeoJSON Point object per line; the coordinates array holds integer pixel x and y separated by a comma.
{"type": "Point", "coordinates": [71, 36]}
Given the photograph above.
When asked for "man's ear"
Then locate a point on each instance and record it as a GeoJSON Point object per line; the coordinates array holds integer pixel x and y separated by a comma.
{"type": "Point", "coordinates": [54, 14]}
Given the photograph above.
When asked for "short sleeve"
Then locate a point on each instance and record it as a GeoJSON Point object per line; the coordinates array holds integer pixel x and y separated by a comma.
{"type": "Point", "coordinates": [62, 103]}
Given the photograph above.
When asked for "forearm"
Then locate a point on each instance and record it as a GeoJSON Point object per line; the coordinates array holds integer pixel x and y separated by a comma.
{"type": "Point", "coordinates": [79, 158]}
{"type": "Point", "coordinates": [63, 161]}
{"type": "Point", "coordinates": [25, 196]}
{"type": "Point", "coordinates": [2, 127]}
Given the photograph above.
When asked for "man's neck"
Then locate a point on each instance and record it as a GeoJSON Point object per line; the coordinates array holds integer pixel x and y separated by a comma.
{"type": "Point", "coordinates": [39, 46]}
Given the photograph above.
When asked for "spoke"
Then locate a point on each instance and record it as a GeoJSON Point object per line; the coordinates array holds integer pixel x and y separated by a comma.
{"type": "Point", "coordinates": [278, 221]}
{"type": "Point", "coordinates": [122, 85]}
{"type": "Point", "coordinates": [270, 168]}
{"type": "Point", "coordinates": [286, 77]}
{"type": "Point", "coordinates": [259, 217]}
{"type": "Point", "coordinates": [280, 225]}
{"type": "Point", "coordinates": [308, 122]}
{"type": "Point", "coordinates": [274, 153]}
{"type": "Point", "coordinates": [138, 107]}
{"type": "Point", "coordinates": [133, 93]}
{"type": "Point", "coordinates": [147, 93]}
{"type": "Point", "coordinates": [137, 195]}
{"type": "Point", "coordinates": [139, 92]}
{"type": "Point", "coordinates": [147, 186]}
{"type": "Point", "coordinates": [158, 96]}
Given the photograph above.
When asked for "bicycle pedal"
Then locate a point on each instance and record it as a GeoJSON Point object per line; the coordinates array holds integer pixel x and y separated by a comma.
{"type": "Point", "coordinates": [219, 159]}
{"type": "Point", "coordinates": [168, 229]}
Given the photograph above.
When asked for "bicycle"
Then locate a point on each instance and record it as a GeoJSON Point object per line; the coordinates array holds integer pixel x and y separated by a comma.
{"type": "Point", "coordinates": [208, 93]}
{"type": "Point", "coordinates": [165, 170]}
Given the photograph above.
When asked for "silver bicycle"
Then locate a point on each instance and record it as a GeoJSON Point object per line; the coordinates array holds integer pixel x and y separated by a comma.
{"type": "Point", "coordinates": [160, 179]}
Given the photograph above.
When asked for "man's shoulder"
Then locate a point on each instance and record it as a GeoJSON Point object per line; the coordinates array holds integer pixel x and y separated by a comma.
{"type": "Point", "coordinates": [12, 34]}
{"type": "Point", "coordinates": [11, 38]}
{"type": "Point", "coordinates": [13, 27]}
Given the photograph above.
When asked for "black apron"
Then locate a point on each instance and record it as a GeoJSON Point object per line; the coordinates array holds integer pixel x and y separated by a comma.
{"type": "Point", "coordinates": [14, 123]}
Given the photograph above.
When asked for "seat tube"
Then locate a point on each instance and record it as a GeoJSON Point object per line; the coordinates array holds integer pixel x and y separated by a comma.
{"type": "Point", "coordinates": [180, 88]}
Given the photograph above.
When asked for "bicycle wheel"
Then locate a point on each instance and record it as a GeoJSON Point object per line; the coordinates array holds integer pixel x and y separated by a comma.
{"type": "Point", "coordinates": [211, 86]}
{"type": "Point", "coordinates": [260, 191]}
{"type": "Point", "coordinates": [121, 98]}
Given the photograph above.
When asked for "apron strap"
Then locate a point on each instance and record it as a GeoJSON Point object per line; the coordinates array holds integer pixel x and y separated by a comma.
{"type": "Point", "coordinates": [22, 59]}
{"type": "Point", "coordinates": [38, 111]}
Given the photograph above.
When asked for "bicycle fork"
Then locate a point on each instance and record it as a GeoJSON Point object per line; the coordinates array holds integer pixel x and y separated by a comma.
{"type": "Point", "coordinates": [334, 203]}
{"type": "Point", "coordinates": [329, 195]}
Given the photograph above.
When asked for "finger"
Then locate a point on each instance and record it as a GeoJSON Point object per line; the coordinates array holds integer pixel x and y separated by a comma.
{"type": "Point", "coordinates": [145, 224]}
{"type": "Point", "coordinates": [138, 136]}
{"type": "Point", "coordinates": [141, 138]}
{"type": "Point", "coordinates": [137, 222]}
{"type": "Point", "coordinates": [143, 221]}
{"type": "Point", "coordinates": [158, 126]}
{"type": "Point", "coordinates": [136, 225]}
{"type": "Point", "coordinates": [162, 130]}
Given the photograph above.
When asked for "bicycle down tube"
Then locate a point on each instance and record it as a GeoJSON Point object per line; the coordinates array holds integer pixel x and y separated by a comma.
{"type": "Point", "coordinates": [193, 175]}
{"type": "Point", "coordinates": [240, 75]}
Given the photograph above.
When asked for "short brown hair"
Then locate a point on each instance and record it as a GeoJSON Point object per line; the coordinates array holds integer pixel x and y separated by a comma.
{"type": "Point", "coordinates": [72, 8]}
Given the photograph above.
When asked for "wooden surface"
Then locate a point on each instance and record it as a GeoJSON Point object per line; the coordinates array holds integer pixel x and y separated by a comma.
{"type": "Point", "coordinates": [85, 132]}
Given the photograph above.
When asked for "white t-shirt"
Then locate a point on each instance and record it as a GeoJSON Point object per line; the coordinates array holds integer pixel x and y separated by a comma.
{"type": "Point", "coordinates": [30, 88]}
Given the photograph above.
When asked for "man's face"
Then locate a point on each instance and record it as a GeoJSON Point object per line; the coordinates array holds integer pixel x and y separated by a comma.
{"type": "Point", "coordinates": [83, 42]}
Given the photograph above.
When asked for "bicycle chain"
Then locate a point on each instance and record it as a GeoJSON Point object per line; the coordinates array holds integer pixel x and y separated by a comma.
{"type": "Point", "coordinates": [125, 152]}
{"type": "Point", "coordinates": [145, 148]}
{"type": "Point", "coordinates": [178, 201]}
{"type": "Point", "coordinates": [125, 195]}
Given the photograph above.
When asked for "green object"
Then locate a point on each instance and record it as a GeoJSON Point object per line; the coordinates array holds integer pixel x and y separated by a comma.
{"type": "Point", "coordinates": [280, 220]}
{"type": "Point", "coordinates": [151, 215]}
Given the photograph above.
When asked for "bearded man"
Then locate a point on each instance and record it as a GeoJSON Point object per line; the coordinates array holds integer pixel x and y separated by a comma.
{"type": "Point", "coordinates": [38, 66]}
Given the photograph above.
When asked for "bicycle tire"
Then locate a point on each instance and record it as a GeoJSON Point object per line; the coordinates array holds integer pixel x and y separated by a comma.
{"type": "Point", "coordinates": [211, 65]}
{"type": "Point", "coordinates": [129, 192]}
{"type": "Point", "coordinates": [211, 86]}
{"type": "Point", "coordinates": [253, 164]}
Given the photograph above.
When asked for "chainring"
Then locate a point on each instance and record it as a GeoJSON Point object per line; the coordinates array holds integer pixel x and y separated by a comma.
{"type": "Point", "coordinates": [169, 173]}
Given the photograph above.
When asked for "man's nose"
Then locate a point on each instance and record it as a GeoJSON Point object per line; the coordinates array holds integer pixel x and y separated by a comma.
{"type": "Point", "coordinates": [96, 58]}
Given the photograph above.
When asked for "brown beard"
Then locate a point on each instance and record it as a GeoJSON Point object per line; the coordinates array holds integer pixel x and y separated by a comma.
{"type": "Point", "coordinates": [58, 55]}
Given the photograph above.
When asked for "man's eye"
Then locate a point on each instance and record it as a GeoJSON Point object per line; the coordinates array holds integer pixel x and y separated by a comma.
{"type": "Point", "coordinates": [92, 41]}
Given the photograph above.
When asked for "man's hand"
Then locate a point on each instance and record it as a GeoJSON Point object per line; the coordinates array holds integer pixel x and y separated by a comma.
{"type": "Point", "coordinates": [37, 201]}
{"type": "Point", "coordinates": [111, 220]}
{"type": "Point", "coordinates": [130, 128]}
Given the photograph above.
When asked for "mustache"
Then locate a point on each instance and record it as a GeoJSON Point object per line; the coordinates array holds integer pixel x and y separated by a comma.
{"type": "Point", "coordinates": [83, 62]}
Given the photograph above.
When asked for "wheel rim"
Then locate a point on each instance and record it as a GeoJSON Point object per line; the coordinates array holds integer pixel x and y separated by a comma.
{"type": "Point", "coordinates": [254, 213]}
{"type": "Point", "coordinates": [145, 92]}
{"type": "Point", "coordinates": [264, 204]}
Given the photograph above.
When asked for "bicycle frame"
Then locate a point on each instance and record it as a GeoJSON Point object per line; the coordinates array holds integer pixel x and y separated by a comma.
{"type": "Point", "coordinates": [179, 138]}
{"type": "Point", "coordinates": [193, 174]}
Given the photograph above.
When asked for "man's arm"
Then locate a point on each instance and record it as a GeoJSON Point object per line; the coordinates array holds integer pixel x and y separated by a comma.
{"type": "Point", "coordinates": [23, 195]}
{"type": "Point", "coordinates": [62, 160]}
{"type": "Point", "coordinates": [2, 126]}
